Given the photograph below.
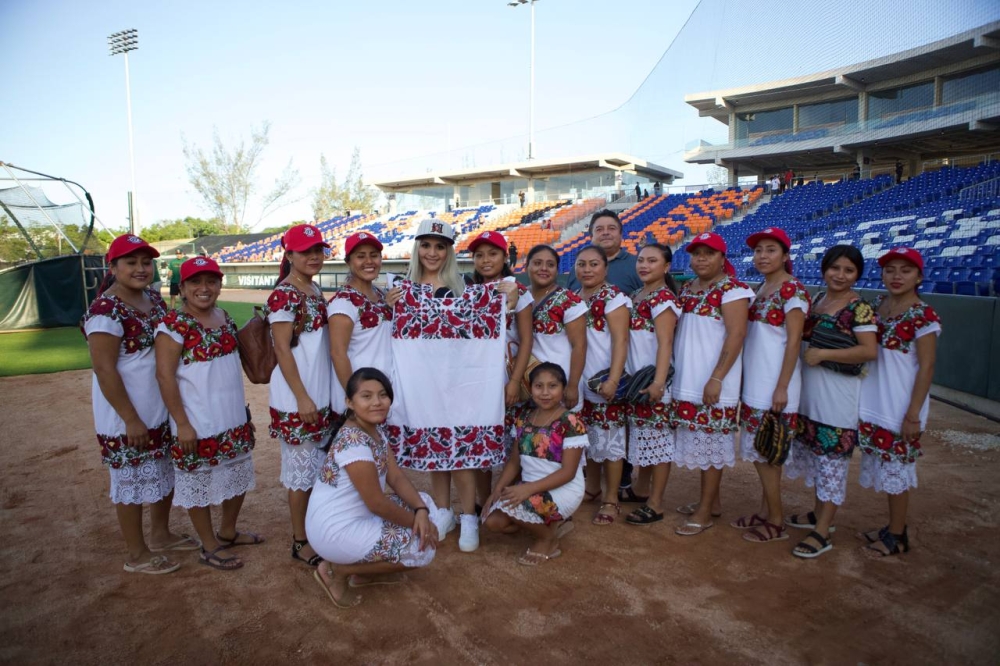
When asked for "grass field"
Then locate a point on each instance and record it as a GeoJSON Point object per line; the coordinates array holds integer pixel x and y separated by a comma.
{"type": "Point", "coordinates": [58, 349]}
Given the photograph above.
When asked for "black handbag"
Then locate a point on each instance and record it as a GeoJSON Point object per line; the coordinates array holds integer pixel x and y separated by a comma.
{"type": "Point", "coordinates": [823, 337]}
{"type": "Point", "coordinates": [641, 380]}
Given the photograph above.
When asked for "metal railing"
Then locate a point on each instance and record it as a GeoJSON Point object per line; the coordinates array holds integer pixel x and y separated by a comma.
{"type": "Point", "coordinates": [988, 189]}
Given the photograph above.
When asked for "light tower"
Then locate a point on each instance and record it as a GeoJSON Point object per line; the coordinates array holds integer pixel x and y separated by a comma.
{"type": "Point", "coordinates": [120, 43]}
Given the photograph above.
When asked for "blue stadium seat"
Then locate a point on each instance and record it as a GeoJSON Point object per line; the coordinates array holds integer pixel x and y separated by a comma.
{"type": "Point", "coordinates": [944, 288]}
{"type": "Point", "coordinates": [966, 288]}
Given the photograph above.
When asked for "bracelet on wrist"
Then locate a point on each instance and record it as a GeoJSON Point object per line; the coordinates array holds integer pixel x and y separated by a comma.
{"type": "Point", "coordinates": [715, 378]}
{"type": "Point", "coordinates": [422, 508]}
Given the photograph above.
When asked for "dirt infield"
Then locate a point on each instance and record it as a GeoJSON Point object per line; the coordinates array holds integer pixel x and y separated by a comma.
{"type": "Point", "coordinates": [619, 593]}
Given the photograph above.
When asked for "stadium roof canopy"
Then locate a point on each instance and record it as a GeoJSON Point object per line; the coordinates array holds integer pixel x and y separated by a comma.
{"type": "Point", "coordinates": [939, 124]}
{"type": "Point", "coordinates": [533, 170]}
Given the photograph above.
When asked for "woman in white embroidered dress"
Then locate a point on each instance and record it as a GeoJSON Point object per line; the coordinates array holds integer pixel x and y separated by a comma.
{"type": "Point", "coordinates": [366, 536]}
{"type": "Point", "coordinates": [653, 322]}
{"type": "Point", "coordinates": [706, 388]}
{"type": "Point", "coordinates": [300, 384]}
{"type": "Point", "coordinates": [771, 376]}
{"type": "Point", "coordinates": [895, 396]}
{"type": "Point", "coordinates": [559, 322]}
{"type": "Point", "coordinates": [433, 264]}
{"type": "Point", "coordinates": [129, 415]}
{"type": "Point", "coordinates": [548, 447]}
{"type": "Point", "coordinates": [199, 373]}
{"type": "Point", "coordinates": [489, 256]}
{"type": "Point", "coordinates": [360, 318]}
{"type": "Point", "coordinates": [828, 407]}
{"type": "Point", "coordinates": [607, 349]}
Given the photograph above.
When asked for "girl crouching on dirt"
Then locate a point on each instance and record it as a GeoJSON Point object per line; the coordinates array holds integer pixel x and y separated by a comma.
{"type": "Point", "coordinates": [549, 442]}
{"type": "Point", "coordinates": [199, 373]}
{"type": "Point", "coordinates": [366, 536]}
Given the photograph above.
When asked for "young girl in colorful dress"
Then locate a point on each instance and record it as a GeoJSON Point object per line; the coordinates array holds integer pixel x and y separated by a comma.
{"type": "Point", "coordinates": [366, 536]}
{"type": "Point", "coordinates": [708, 372]}
{"type": "Point", "coordinates": [199, 373]}
{"type": "Point", "coordinates": [771, 377]}
{"type": "Point", "coordinates": [548, 446]}
{"type": "Point", "coordinates": [607, 349]}
{"type": "Point", "coordinates": [489, 255]}
{"type": "Point", "coordinates": [558, 321]}
{"type": "Point", "coordinates": [300, 385]}
{"type": "Point", "coordinates": [434, 265]}
{"type": "Point", "coordinates": [828, 406]}
{"type": "Point", "coordinates": [653, 320]}
{"type": "Point", "coordinates": [360, 318]}
{"type": "Point", "coordinates": [895, 395]}
{"type": "Point", "coordinates": [129, 415]}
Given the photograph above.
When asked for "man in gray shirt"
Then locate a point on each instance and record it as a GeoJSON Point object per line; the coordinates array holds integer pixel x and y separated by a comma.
{"type": "Point", "coordinates": [606, 233]}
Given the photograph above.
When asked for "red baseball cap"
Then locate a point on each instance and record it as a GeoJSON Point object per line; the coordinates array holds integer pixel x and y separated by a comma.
{"type": "Point", "coordinates": [493, 238]}
{"type": "Point", "coordinates": [774, 233]}
{"type": "Point", "coordinates": [360, 238]}
{"type": "Point", "coordinates": [301, 237]}
{"type": "Point", "coordinates": [906, 253]}
{"type": "Point", "coordinates": [128, 244]}
{"type": "Point", "coordinates": [713, 242]}
{"type": "Point", "coordinates": [197, 265]}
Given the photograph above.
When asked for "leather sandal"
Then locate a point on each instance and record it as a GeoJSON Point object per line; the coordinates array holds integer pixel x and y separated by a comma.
{"type": "Point", "coordinates": [606, 518]}
{"type": "Point", "coordinates": [297, 545]}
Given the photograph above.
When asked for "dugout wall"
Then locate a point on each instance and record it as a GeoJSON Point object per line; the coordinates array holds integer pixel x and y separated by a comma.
{"type": "Point", "coordinates": [48, 293]}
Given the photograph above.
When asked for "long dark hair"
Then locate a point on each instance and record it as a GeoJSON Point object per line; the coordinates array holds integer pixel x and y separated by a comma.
{"type": "Point", "coordinates": [284, 269]}
{"type": "Point", "coordinates": [353, 384]}
{"type": "Point", "coordinates": [668, 256]}
{"type": "Point", "coordinates": [554, 368]}
{"type": "Point", "coordinates": [849, 252]}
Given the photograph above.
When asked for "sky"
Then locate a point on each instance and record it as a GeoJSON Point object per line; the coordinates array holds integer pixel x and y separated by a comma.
{"type": "Point", "coordinates": [401, 81]}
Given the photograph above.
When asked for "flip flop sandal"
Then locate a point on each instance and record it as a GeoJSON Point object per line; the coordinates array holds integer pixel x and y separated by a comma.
{"type": "Point", "coordinates": [692, 529]}
{"type": "Point", "coordinates": [808, 551]}
{"type": "Point", "coordinates": [183, 543]}
{"type": "Point", "coordinates": [533, 559]}
{"type": "Point", "coordinates": [627, 495]}
{"type": "Point", "coordinates": [343, 603]}
{"type": "Point", "coordinates": [771, 533]}
{"type": "Point", "coordinates": [644, 515]}
{"type": "Point", "coordinates": [210, 559]}
{"type": "Point", "coordinates": [689, 509]}
{"type": "Point", "coordinates": [806, 522]}
{"type": "Point", "coordinates": [606, 518]}
{"type": "Point", "coordinates": [747, 522]}
{"type": "Point", "coordinates": [384, 579]}
{"type": "Point", "coordinates": [156, 566]}
{"type": "Point", "coordinates": [255, 539]}
{"type": "Point", "coordinates": [565, 527]}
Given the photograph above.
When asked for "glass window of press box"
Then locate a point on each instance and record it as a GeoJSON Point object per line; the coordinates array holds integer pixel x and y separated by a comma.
{"type": "Point", "coordinates": [764, 123]}
{"type": "Point", "coordinates": [973, 84]}
{"type": "Point", "coordinates": [892, 102]}
{"type": "Point", "coordinates": [828, 114]}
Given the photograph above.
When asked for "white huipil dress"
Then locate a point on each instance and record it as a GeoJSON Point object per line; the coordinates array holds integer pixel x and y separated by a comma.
{"type": "Point", "coordinates": [137, 477]}
{"type": "Point", "coordinates": [300, 459]}
{"type": "Point", "coordinates": [524, 300]}
{"type": "Point", "coordinates": [371, 338]}
{"type": "Point", "coordinates": [340, 526]}
{"type": "Point", "coordinates": [704, 433]}
{"type": "Point", "coordinates": [551, 343]}
{"type": "Point", "coordinates": [605, 421]}
{"type": "Point", "coordinates": [652, 437]}
{"type": "Point", "coordinates": [888, 463]}
{"type": "Point", "coordinates": [763, 356]}
{"type": "Point", "coordinates": [210, 379]}
{"type": "Point", "coordinates": [828, 410]}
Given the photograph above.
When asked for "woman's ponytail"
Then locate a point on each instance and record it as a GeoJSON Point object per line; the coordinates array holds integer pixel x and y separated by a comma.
{"type": "Point", "coordinates": [284, 270]}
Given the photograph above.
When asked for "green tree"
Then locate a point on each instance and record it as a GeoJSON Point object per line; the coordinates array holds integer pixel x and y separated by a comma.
{"type": "Point", "coordinates": [226, 179]}
{"type": "Point", "coordinates": [332, 198]}
{"type": "Point", "coordinates": [188, 227]}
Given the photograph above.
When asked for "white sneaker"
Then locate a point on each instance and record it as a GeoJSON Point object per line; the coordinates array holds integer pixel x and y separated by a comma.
{"type": "Point", "coordinates": [468, 540]}
{"type": "Point", "coordinates": [444, 521]}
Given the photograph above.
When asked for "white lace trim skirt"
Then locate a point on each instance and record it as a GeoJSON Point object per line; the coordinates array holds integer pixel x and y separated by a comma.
{"type": "Point", "coordinates": [300, 464]}
{"type": "Point", "coordinates": [649, 446]}
{"type": "Point", "coordinates": [892, 477]}
{"type": "Point", "coordinates": [211, 486]}
{"type": "Point", "coordinates": [695, 449]}
{"type": "Point", "coordinates": [606, 445]}
{"type": "Point", "coordinates": [828, 475]}
{"type": "Point", "coordinates": [146, 483]}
